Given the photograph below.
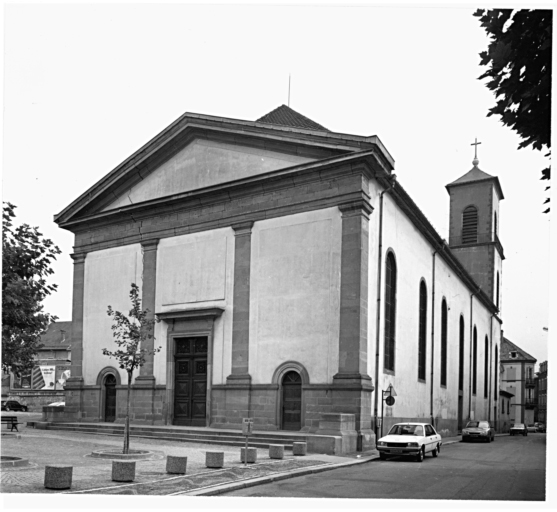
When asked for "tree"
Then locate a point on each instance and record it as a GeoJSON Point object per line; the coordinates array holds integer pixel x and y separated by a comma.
{"type": "Point", "coordinates": [26, 260]}
{"type": "Point", "coordinates": [519, 72]}
{"type": "Point", "coordinates": [129, 333]}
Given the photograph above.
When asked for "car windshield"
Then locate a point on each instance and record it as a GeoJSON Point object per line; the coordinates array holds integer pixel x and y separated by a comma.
{"type": "Point", "coordinates": [518, 425]}
{"type": "Point", "coordinates": [407, 430]}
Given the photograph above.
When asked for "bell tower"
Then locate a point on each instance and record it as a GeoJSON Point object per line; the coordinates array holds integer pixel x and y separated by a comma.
{"type": "Point", "coordinates": [473, 228]}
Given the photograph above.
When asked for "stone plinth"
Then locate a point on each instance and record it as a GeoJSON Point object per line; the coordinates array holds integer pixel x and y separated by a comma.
{"type": "Point", "coordinates": [299, 448]}
{"type": "Point", "coordinates": [252, 455]}
{"type": "Point", "coordinates": [276, 451]}
{"type": "Point", "coordinates": [123, 470]}
{"type": "Point", "coordinates": [336, 435]}
{"type": "Point", "coordinates": [176, 464]}
{"type": "Point", "coordinates": [58, 476]}
{"type": "Point", "coordinates": [214, 459]}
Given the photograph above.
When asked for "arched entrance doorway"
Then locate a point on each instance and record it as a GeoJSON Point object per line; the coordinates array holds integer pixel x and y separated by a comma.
{"type": "Point", "coordinates": [291, 401]}
{"type": "Point", "coordinates": [109, 398]}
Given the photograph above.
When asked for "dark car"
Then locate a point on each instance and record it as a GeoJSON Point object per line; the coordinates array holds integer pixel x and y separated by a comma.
{"type": "Point", "coordinates": [519, 428]}
{"type": "Point", "coordinates": [540, 427]}
{"type": "Point", "coordinates": [481, 430]}
{"type": "Point", "coordinates": [13, 405]}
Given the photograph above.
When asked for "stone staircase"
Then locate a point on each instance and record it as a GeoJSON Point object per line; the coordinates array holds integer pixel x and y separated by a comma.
{"type": "Point", "coordinates": [260, 439]}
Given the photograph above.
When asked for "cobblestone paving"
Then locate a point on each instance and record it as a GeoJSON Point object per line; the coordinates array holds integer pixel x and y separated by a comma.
{"type": "Point", "coordinates": [93, 475]}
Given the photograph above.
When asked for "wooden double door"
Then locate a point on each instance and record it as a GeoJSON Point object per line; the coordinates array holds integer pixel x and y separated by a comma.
{"type": "Point", "coordinates": [190, 380]}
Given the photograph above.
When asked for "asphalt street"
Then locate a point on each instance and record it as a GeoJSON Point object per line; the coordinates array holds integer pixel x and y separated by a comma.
{"type": "Point", "coordinates": [511, 468]}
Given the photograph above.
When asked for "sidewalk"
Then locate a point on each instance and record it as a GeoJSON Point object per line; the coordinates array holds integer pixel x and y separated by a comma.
{"type": "Point", "coordinates": [93, 475]}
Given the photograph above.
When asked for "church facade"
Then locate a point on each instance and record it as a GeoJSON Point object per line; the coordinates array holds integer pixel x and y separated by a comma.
{"type": "Point", "coordinates": [292, 275]}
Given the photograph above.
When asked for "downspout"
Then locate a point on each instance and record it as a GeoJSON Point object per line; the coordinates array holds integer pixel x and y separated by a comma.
{"type": "Point", "coordinates": [432, 332]}
{"type": "Point", "coordinates": [378, 315]}
{"type": "Point", "coordinates": [490, 389]}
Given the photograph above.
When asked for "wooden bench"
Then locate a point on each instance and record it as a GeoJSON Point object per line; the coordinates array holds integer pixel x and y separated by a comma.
{"type": "Point", "coordinates": [11, 421]}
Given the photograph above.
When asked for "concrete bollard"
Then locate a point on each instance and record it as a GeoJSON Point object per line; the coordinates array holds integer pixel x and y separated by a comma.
{"type": "Point", "coordinates": [176, 464]}
{"type": "Point", "coordinates": [299, 448]}
{"type": "Point", "coordinates": [58, 476]}
{"type": "Point", "coordinates": [123, 470]}
{"type": "Point", "coordinates": [252, 455]}
{"type": "Point", "coordinates": [276, 451]}
{"type": "Point", "coordinates": [214, 459]}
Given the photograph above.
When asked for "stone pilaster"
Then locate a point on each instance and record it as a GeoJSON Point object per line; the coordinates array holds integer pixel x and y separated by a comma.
{"type": "Point", "coordinates": [240, 312]}
{"type": "Point", "coordinates": [352, 384]}
{"type": "Point", "coordinates": [149, 288]}
{"type": "Point", "coordinates": [354, 292]}
{"type": "Point", "coordinates": [74, 385]}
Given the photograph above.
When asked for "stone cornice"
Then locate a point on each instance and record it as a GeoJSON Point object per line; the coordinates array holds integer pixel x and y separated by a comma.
{"type": "Point", "coordinates": [150, 244]}
{"type": "Point", "coordinates": [78, 257]}
{"type": "Point", "coordinates": [190, 314]}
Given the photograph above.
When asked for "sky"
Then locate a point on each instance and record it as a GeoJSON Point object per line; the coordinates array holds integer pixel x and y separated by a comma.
{"type": "Point", "coordinates": [86, 85]}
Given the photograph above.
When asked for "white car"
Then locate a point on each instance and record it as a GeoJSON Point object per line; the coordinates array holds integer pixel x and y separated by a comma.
{"type": "Point", "coordinates": [414, 439]}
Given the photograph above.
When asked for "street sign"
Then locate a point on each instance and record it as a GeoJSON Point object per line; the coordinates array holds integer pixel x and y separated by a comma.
{"type": "Point", "coordinates": [390, 400]}
{"type": "Point", "coordinates": [247, 426]}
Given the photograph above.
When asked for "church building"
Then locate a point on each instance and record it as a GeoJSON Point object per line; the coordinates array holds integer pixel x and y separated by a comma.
{"type": "Point", "coordinates": [292, 275]}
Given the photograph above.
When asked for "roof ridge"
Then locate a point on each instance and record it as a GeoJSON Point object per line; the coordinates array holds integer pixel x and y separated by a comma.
{"type": "Point", "coordinates": [283, 115]}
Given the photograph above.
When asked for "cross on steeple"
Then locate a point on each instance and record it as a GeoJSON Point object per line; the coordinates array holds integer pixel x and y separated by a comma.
{"type": "Point", "coordinates": [475, 162]}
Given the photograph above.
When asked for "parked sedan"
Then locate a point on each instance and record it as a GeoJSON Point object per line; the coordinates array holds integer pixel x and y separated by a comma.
{"type": "Point", "coordinates": [410, 439]}
{"type": "Point", "coordinates": [518, 428]}
{"type": "Point", "coordinates": [13, 405]}
{"type": "Point", "coordinates": [540, 427]}
{"type": "Point", "coordinates": [481, 430]}
{"type": "Point", "coordinates": [531, 428]}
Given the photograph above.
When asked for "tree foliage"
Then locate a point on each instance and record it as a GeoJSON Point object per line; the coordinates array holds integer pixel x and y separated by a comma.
{"type": "Point", "coordinates": [129, 333]}
{"type": "Point", "coordinates": [519, 73]}
{"type": "Point", "coordinates": [26, 264]}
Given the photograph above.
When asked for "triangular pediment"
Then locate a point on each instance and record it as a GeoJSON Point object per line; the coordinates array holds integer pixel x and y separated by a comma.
{"type": "Point", "coordinates": [205, 163]}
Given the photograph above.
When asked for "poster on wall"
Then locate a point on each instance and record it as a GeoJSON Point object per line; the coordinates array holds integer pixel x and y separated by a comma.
{"type": "Point", "coordinates": [42, 377]}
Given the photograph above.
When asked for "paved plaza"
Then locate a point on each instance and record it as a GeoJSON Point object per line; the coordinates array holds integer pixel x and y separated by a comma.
{"type": "Point", "coordinates": [92, 475]}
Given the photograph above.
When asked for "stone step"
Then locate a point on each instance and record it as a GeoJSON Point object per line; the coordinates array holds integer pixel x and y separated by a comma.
{"type": "Point", "coordinates": [259, 440]}
{"type": "Point", "coordinates": [295, 436]}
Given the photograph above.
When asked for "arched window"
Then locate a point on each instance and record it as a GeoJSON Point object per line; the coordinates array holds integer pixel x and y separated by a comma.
{"type": "Point", "coordinates": [495, 224]}
{"type": "Point", "coordinates": [486, 355]}
{"type": "Point", "coordinates": [444, 343]}
{"type": "Point", "coordinates": [422, 331]}
{"type": "Point", "coordinates": [475, 362]}
{"type": "Point", "coordinates": [496, 372]}
{"type": "Point", "coordinates": [461, 354]}
{"type": "Point", "coordinates": [470, 225]}
{"type": "Point", "coordinates": [497, 292]}
{"type": "Point", "coordinates": [390, 312]}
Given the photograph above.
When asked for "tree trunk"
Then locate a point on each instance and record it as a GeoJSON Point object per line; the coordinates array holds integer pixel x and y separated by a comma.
{"type": "Point", "coordinates": [127, 425]}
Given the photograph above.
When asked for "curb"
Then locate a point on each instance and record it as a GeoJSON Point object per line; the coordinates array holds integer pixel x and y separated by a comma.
{"type": "Point", "coordinates": [221, 488]}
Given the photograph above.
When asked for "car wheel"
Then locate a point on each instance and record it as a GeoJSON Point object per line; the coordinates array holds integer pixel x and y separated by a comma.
{"type": "Point", "coordinates": [8, 408]}
{"type": "Point", "coordinates": [420, 456]}
{"type": "Point", "coordinates": [382, 456]}
{"type": "Point", "coordinates": [435, 451]}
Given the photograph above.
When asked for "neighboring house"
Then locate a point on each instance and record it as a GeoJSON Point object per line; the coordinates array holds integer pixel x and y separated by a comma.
{"type": "Point", "coordinates": [504, 421]}
{"type": "Point", "coordinates": [542, 393]}
{"type": "Point", "coordinates": [46, 381]}
{"type": "Point", "coordinates": [292, 275]}
{"type": "Point", "coordinates": [518, 378]}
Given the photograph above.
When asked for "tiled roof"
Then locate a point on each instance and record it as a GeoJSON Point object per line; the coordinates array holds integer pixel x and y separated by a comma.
{"type": "Point", "coordinates": [507, 346]}
{"type": "Point", "coordinates": [54, 335]}
{"type": "Point", "coordinates": [474, 174]}
{"type": "Point", "coordinates": [285, 116]}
